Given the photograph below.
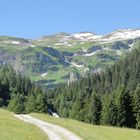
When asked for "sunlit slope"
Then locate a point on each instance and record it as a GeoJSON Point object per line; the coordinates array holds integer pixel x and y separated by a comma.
{"type": "Point", "coordinates": [92, 132]}
{"type": "Point", "coordinates": [14, 129]}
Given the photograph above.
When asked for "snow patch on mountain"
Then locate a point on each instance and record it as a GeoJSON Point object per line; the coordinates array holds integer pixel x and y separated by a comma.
{"type": "Point", "coordinates": [90, 54]}
{"type": "Point", "coordinates": [79, 35]}
{"type": "Point", "coordinates": [87, 36]}
{"type": "Point", "coordinates": [94, 37]}
{"type": "Point", "coordinates": [15, 42]}
{"type": "Point", "coordinates": [107, 38]}
{"type": "Point", "coordinates": [44, 74]}
{"type": "Point", "coordinates": [77, 65]}
{"type": "Point", "coordinates": [74, 64]}
{"type": "Point", "coordinates": [120, 35]}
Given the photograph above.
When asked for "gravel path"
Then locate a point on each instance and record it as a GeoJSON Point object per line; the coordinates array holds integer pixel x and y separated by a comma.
{"type": "Point", "coordinates": [54, 132]}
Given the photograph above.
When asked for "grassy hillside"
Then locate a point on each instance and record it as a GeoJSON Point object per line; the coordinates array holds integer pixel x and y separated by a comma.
{"type": "Point", "coordinates": [14, 129]}
{"type": "Point", "coordinates": [92, 132]}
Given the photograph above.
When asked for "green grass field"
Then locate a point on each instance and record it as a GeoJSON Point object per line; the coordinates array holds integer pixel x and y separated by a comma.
{"type": "Point", "coordinates": [14, 129]}
{"type": "Point", "coordinates": [92, 132]}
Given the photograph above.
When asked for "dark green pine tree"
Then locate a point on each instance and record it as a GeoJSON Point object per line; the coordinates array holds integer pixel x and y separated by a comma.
{"type": "Point", "coordinates": [104, 112]}
{"type": "Point", "coordinates": [125, 109]}
{"type": "Point", "coordinates": [109, 111]}
{"type": "Point", "coordinates": [95, 109]}
{"type": "Point", "coordinates": [41, 105]}
{"type": "Point", "coordinates": [136, 97]}
{"type": "Point", "coordinates": [30, 104]}
{"type": "Point", "coordinates": [16, 103]}
{"type": "Point", "coordinates": [84, 113]}
{"type": "Point", "coordinates": [76, 108]}
{"type": "Point", "coordinates": [112, 111]}
{"type": "Point", "coordinates": [1, 102]}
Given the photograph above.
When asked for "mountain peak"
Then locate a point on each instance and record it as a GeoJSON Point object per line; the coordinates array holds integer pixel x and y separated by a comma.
{"type": "Point", "coordinates": [121, 34]}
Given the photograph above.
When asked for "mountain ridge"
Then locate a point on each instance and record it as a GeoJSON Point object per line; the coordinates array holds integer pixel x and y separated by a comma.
{"type": "Point", "coordinates": [51, 60]}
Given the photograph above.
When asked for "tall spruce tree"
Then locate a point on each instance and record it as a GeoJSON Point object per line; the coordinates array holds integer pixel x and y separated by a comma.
{"type": "Point", "coordinates": [136, 107]}
{"type": "Point", "coordinates": [16, 103]}
{"type": "Point", "coordinates": [95, 109]}
{"type": "Point", "coordinates": [125, 109]}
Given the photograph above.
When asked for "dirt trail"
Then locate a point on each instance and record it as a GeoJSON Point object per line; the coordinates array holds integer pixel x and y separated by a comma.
{"type": "Point", "coordinates": [54, 132]}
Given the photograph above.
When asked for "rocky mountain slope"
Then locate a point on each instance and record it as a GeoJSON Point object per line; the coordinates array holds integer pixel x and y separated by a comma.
{"type": "Point", "coordinates": [54, 59]}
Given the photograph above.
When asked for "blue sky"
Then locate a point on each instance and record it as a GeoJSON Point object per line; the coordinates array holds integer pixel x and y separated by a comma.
{"type": "Point", "coordinates": [35, 18]}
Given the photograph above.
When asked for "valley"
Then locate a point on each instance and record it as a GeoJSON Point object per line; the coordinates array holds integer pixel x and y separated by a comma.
{"type": "Point", "coordinates": [96, 84]}
{"type": "Point", "coordinates": [70, 70]}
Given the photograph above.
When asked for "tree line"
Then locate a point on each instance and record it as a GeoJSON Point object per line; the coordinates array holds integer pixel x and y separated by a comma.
{"type": "Point", "coordinates": [18, 94]}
